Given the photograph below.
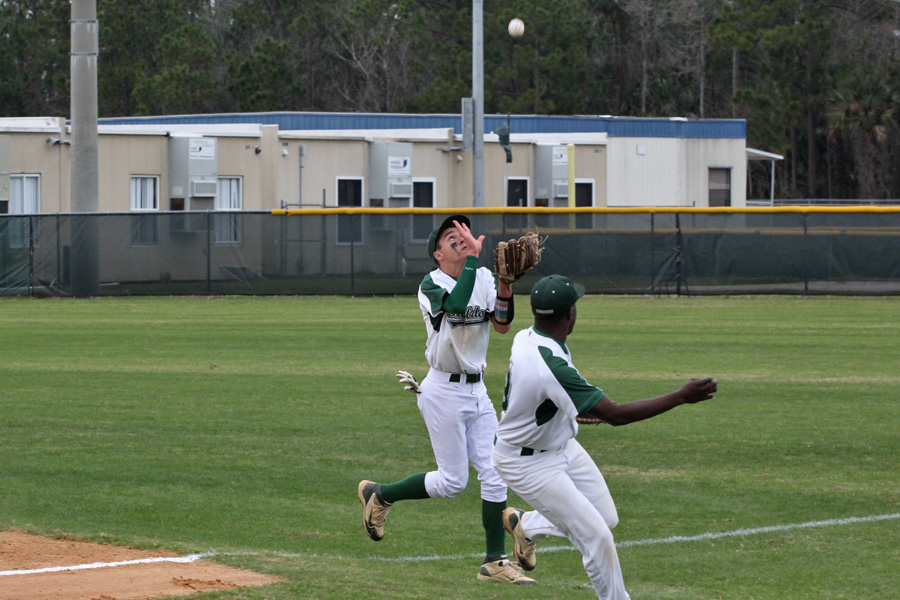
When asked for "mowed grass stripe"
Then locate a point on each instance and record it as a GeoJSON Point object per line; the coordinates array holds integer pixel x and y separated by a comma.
{"type": "Point", "coordinates": [244, 424]}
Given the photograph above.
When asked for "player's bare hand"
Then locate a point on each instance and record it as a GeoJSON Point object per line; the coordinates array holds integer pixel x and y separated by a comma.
{"type": "Point", "coordinates": [472, 244]}
{"type": "Point", "coordinates": [698, 390]}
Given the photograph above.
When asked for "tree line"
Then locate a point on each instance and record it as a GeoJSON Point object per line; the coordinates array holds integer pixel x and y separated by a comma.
{"type": "Point", "coordinates": [817, 80]}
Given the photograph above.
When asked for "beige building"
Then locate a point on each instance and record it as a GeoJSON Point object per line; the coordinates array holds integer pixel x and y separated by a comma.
{"type": "Point", "coordinates": [256, 167]}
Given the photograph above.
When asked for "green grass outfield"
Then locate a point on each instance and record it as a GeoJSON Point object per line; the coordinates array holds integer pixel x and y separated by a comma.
{"type": "Point", "coordinates": [242, 425]}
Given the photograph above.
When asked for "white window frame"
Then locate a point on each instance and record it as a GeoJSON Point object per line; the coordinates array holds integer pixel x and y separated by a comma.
{"type": "Point", "coordinates": [229, 198]}
{"type": "Point", "coordinates": [593, 183]}
{"type": "Point", "coordinates": [138, 194]}
{"type": "Point", "coordinates": [20, 201]}
{"type": "Point", "coordinates": [24, 199]}
{"type": "Point", "coordinates": [527, 180]}
{"type": "Point", "coordinates": [144, 201]}
{"type": "Point", "coordinates": [719, 187]}
{"type": "Point", "coordinates": [518, 221]}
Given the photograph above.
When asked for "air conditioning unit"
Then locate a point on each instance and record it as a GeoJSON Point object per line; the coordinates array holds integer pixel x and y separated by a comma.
{"type": "Point", "coordinates": [193, 181]}
{"type": "Point", "coordinates": [551, 171]}
{"type": "Point", "coordinates": [390, 170]}
{"type": "Point", "coordinates": [401, 190]}
{"type": "Point", "coordinates": [560, 189]}
{"type": "Point", "coordinates": [193, 168]}
{"type": "Point", "coordinates": [205, 189]}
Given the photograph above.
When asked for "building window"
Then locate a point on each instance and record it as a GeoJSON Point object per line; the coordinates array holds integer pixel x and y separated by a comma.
{"type": "Point", "coordinates": [349, 227]}
{"type": "Point", "coordinates": [145, 192]}
{"type": "Point", "coordinates": [24, 199]}
{"type": "Point", "coordinates": [423, 197]}
{"type": "Point", "coordinates": [517, 196]}
{"type": "Point", "coordinates": [719, 187]}
{"type": "Point", "coordinates": [24, 194]}
{"type": "Point", "coordinates": [228, 200]}
{"type": "Point", "coordinates": [144, 199]}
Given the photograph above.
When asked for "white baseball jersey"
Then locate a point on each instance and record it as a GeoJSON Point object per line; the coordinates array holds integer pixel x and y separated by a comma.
{"type": "Point", "coordinates": [544, 393]}
{"type": "Point", "coordinates": [457, 343]}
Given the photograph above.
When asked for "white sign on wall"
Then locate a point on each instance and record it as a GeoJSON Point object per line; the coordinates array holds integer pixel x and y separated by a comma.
{"type": "Point", "coordinates": [398, 166]}
{"type": "Point", "coordinates": [202, 148]}
{"type": "Point", "coordinates": [560, 155]}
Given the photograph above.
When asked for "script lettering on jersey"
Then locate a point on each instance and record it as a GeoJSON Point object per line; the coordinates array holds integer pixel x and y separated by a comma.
{"type": "Point", "coordinates": [474, 315]}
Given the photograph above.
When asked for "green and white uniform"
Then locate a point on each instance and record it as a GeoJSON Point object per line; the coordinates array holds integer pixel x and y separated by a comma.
{"type": "Point", "coordinates": [537, 455]}
{"type": "Point", "coordinates": [457, 342]}
{"type": "Point", "coordinates": [454, 402]}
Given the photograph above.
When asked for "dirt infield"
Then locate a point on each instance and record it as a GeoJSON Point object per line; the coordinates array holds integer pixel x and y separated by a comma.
{"type": "Point", "coordinates": [39, 568]}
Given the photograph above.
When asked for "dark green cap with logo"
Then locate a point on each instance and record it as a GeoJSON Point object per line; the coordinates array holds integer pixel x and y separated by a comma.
{"type": "Point", "coordinates": [554, 295]}
{"type": "Point", "coordinates": [437, 231]}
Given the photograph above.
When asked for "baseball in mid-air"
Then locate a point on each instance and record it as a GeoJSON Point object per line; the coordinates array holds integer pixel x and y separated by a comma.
{"type": "Point", "coordinates": [516, 28]}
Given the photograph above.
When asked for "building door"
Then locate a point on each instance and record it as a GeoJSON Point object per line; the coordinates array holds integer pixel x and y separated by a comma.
{"type": "Point", "coordinates": [584, 196]}
{"type": "Point", "coordinates": [423, 197]}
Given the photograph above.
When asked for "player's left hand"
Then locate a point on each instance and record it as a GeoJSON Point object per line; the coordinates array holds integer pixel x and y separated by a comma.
{"type": "Point", "coordinates": [411, 384]}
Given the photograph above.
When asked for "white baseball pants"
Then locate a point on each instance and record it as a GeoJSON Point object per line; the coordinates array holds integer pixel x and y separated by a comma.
{"type": "Point", "coordinates": [572, 500]}
{"type": "Point", "coordinates": [461, 422]}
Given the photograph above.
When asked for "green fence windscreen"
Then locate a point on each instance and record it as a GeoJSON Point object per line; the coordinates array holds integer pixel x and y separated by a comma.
{"type": "Point", "coordinates": [695, 253]}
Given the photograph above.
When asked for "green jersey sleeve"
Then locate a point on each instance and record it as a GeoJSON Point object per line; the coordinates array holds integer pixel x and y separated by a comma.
{"type": "Point", "coordinates": [584, 395]}
{"type": "Point", "coordinates": [457, 300]}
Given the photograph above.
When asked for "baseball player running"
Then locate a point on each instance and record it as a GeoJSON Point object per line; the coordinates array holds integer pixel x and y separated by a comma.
{"type": "Point", "coordinates": [460, 304]}
{"type": "Point", "coordinates": [536, 452]}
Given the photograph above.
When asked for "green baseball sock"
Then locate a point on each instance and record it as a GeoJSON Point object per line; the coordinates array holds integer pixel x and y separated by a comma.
{"type": "Point", "coordinates": [411, 488]}
{"type": "Point", "coordinates": [494, 534]}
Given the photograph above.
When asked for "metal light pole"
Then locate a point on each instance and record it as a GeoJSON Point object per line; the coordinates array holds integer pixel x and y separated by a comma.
{"type": "Point", "coordinates": [478, 103]}
{"type": "Point", "coordinates": [85, 45]}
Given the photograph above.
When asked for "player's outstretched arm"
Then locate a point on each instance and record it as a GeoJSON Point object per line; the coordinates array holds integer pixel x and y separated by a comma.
{"type": "Point", "coordinates": [693, 391]}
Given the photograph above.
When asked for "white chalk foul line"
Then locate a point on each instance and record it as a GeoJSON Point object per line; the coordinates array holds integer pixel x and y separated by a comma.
{"type": "Point", "coordinates": [138, 561]}
{"type": "Point", "coordinates": [758, 530]}
{"type": "Point", "coordinates": [673, 539]}
{"type": "Point", "coordinates": [628, 543]}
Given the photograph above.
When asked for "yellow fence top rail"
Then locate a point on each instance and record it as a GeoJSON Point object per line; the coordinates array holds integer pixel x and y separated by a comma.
{"type": "Point", "coordinates": [348, 210]}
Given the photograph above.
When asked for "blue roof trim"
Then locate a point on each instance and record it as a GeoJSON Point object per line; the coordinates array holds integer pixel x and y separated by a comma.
{"type": "Point", "coordinates": [612, 126]}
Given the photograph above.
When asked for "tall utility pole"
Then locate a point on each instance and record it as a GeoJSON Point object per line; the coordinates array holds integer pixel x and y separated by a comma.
{"type": "Point", "coordinates": [478, 103]}
{"type": "Point", "coordinates": [85, 253]}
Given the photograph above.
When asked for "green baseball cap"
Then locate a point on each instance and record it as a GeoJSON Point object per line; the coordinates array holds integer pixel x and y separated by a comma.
{"type": "Point", "coordinates": [554, 294]}
{"type": "Point", "coordinates": [437, 231]}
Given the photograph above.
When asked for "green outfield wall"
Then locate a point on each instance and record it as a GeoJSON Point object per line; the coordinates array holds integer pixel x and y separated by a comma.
{"type": "Point", "coordinates": [657, 251]}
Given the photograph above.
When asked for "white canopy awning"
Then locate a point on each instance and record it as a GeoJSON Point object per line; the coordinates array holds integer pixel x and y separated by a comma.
{"type": "Point", "coordinates": [754, 154]}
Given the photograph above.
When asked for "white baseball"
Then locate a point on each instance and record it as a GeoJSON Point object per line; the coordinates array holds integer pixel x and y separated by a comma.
{"type": "Point", "coordinates": [516, 28]}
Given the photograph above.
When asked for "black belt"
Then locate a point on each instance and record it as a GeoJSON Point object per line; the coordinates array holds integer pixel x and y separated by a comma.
{"type": "Point", "coordinates": [529, 451]}
{"type": "Point", "coordinates": [522, 450]}
{"type": "Point", "coordinates": [470, 378]}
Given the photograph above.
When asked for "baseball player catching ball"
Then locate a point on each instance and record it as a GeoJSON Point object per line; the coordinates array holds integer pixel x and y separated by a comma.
{"type": "Point", "coordinates": [536, 452]}
{"type": "Point", "coordinates": [460, 303]}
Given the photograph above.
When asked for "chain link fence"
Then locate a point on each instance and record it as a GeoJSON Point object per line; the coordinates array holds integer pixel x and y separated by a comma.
{"type": "Point", "coordinates": [369, 252]}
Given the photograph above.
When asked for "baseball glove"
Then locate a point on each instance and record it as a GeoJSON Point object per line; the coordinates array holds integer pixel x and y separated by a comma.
{"type": "Point", "coordinates": [514, 258]}
{"type": "Point", "coordinates": [410, 380]}
{"type": "Point", "coordinates": [587, 419]}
